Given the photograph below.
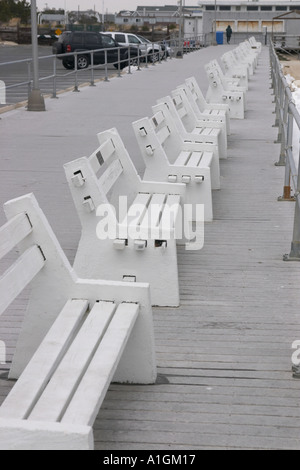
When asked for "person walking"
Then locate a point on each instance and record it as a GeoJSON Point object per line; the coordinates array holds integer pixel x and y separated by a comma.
{"type": "Point", "coordinates": [228, 33]}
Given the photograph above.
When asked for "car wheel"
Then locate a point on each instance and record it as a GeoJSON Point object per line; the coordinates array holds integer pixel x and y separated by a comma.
{"type": "Point", "coordinates": [68, 64]}
{"type": "Point", "coordinates": [82, 62]}
{"type": "Point", "coordinates": [153, 56]}
{"type": "Point", "coordinates": [134, 61]}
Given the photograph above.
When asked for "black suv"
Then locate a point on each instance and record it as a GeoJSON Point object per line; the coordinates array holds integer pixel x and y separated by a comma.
{"type": "Point", "coordinates": [83, 42]}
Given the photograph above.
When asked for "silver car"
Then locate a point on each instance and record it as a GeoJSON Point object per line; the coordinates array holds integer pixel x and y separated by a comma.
{"type": "Point", "coordinates": [152, 51]}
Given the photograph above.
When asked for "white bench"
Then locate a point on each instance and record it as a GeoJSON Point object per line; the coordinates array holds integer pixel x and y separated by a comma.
{"type": "Point", "coordinates": [229, 83]}
{"type": "Point", "coordinates": [77, 336]}
{"type": "Point", "coordinates": [143, 247]}
{"type": "Point", "coordinates": [217, 94]}
{"type": "Point", "coordinates": [232, 69]}
{"type": "Point", "coordinates": [255, 44]}
{"type": "Point", "coordinates": [243, 57]}
{"type": "Point", "coordinates": [168, 157]}
{"type": "Point", "coordinates": [190, 101]}
{"type": "Point", "coordinates": [2, 92]}
{"type": "Point", "coordinates": [210, 111]}
{"type": "Point", "coordinates": [213, 132]}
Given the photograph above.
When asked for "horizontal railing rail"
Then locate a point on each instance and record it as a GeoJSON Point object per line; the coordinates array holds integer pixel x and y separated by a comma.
{"type": "Point", "coordinates": [136, 56]}
{"type": "Point", "coordinates": [288, 122]}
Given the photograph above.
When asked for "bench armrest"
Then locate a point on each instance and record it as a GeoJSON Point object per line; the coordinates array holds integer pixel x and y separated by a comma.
{"type": "Point", "coordinates": [161, 187]}
{"type": "Point", "coordinates": [222, 107]}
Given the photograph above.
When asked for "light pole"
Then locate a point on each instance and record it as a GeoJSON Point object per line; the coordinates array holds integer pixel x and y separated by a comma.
{"type": "Point", "coordinates": [215, 26]}
{"type": "Point", "coordinates": [35, 100]}
{"type": "Point", "coordinates": [179, 54]}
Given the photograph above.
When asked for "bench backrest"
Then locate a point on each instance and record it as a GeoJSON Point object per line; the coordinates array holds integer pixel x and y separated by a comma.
{"type": "Point", "coordinates": [41, 263]}
{"type": "Point", "coordinates": [213, 68]}
{"type": "Point", "coordinates": [100, 179]}
{"type": "Point", "coordinates": [54, 283]}
{"type": "Point", "coordinates": [2, 92]}
{"type": "Point", "coordinates": [196, 93]}
{"type": "Point", "coordinates": [150, 143]}
{"type": "Point", "coordinates": [193, 100]}
{"type": "Point", "coordinates": [184, 108]}
{"type": "Point", "coordinates": [215, 83]}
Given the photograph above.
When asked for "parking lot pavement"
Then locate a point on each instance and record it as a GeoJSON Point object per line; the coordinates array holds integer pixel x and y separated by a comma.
{"type": "Point", "coordinates": [16, 75]}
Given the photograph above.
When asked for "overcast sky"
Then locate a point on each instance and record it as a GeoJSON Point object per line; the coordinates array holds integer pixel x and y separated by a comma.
{"type": "Point", "coordinates": [111, 6]}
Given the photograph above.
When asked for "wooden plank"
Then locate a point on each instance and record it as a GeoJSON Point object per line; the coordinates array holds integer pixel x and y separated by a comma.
{"type": "Point", "coordinates": [110, 176]}
{"type": "Point", "coordinates": [137, 210]}
{"type": "Point", "coordinates": [102, 155]}
{"type": "Point", "coordinates": [183, 158]}
{"type": "Point", "coordinates": [163, 134]}
{"type": "Point", "coordinates": [13, 232]}
{"type": "Point", "coordinates": [170, 214]}
{"type": "Point", "coordinates": [63, 384]}
{"type": "Point", "coordinates": [89, 396]}
{"type": "Point", "coordinates": [19, 275]}
{"type": "Point", "coordinates": [182, 112]}
{"type": "Point", "coordinates": [195, 160]}
{"type": "Point", "coordinates": [158, 119]}
{"type": "Point", "coordinates": [153, 215]}
{"type": "Point", "coordinates": [206, 159]}
{"type": "Point", "coordinates": [32, 382]}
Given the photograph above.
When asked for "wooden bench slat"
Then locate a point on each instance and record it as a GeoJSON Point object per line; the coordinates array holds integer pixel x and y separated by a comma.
{"type": "Point", "coordinates": [102, 154]}
{"type": "Point", "coordinates": [141, 201]}
{"type": "Point", "coordinates": [163, 134]}
{"type": "Point", "coordinates": [206, 159]}
{"type": "Point", "coordinates": [63, 384]}
{"type": "Point", "coordinates": [195, 160]}
{"type": "Point", "coordinates": [35, 377]}
{"type": "Point", "coordinates": [110, 176]}
{"type": "Point", "coordinates": [182, 112]}
{"type": "Point", "coordinates": [13, 232]}
{"type": "Point", "coordinates": [19, 275]}
{"type": "Point", "coordinates": [183, 158]}
{"type": "Point", "coordinates": [90, 394]}
{"type": "Point", "coordinates": [153, 215]}
{"type": "Point", "coordinates": [173, 203]}
{"type": "Point", "coordinates": [158, 119]}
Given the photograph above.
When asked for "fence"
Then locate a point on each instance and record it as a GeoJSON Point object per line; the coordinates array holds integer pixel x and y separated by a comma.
{"type": "Point", "coordinates": [58, 79]}
{"type": "Point", "coordinates": [288, 122]}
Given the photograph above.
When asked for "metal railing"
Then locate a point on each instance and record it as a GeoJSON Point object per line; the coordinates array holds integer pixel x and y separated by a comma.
{"type": "Point", "coordinates": [288, 122]}
{"type": "Point", "coordinates": [140, 59]}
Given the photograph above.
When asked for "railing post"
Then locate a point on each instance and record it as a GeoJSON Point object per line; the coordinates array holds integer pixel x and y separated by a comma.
{"type": "Point", "coordinates": [92, 70]}
{"type": "Point", "coordinates": [129, 61]}
{"type": "Point", "coordinates": [119, 63]}
{"type": "Point", "coordinates": [54, 78]}
{"type": "Point", "coordinates": [29, 77]}
{"type": "Point", "coordinates": [138, 57]}
{"type": "Point", "coordinates": [295, 246]}
{"type": "Point", "coordinates": [106, 66]}
{"type": "Point", "coordinates": [76, 89]}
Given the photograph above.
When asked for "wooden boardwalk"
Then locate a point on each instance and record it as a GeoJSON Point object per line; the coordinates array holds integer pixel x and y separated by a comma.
{"type": "Point", "coordinates": [224, 356]}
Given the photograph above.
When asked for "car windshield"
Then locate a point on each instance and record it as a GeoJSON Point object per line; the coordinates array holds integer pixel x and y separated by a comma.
{"type": "Point", "coordinates": [143, 39]}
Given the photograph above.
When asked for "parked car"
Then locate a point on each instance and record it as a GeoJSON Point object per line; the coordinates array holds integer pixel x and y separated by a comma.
{"type": "Point", "coordinates": [146, 47]}
{"type": "Point", "coordinates": [83, 42]}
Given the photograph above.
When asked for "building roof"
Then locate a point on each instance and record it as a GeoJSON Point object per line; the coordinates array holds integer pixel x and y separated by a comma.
{"type": "Point", "coordinates": [166, 8]}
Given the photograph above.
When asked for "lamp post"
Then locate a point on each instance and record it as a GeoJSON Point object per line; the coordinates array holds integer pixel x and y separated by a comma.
{"type": "Point", "coordinates": [35, 100]}
{"type": "Point", "coordinates": [215, 26]}
{"type": "Point", "coordinates": [179, 54]}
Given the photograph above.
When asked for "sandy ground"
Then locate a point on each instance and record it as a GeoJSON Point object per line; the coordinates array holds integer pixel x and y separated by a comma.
{"type": "Point", "coordinates": [292, 67]}
{"type": "Point", "coordinates": [7, 43]}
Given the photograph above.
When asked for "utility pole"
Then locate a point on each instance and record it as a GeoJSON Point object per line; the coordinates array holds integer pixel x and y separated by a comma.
{"type": "Point", "coordinates": [215, 27]}
{"type": "Point", "coordinates": [179, 54]}
{"type": "Point", "coordinates": [35, 100]}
